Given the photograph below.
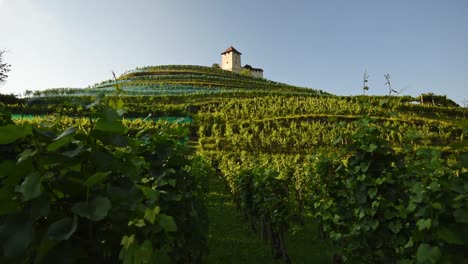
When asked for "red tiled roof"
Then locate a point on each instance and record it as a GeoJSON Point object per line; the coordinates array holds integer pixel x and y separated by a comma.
{"type": "Point", "coordinates": [231, 49]}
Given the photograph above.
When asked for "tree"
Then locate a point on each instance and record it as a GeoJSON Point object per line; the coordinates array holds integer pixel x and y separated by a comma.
{"type": "Point", "coordinates": [4, 68]}
{"type": "Point", "coordinates": [216, 66]}
{"type": "Point", "coordinates": [246, 72]}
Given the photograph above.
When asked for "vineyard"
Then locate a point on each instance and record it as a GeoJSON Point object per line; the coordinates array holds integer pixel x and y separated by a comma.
{"type": "Point", "coordinates": [155, 165]}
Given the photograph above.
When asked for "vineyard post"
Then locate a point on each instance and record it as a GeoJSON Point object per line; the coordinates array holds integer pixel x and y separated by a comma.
{"type": "Point", "coordinates": [364, 83]}
{"type": "Point", "coordinates": [387, 77]}
{"type": "Point", "coordinates": [390, 90]}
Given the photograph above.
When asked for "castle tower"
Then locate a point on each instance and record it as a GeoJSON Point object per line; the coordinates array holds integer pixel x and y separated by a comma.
{"type": "Point", "coordinates": [231, 60]}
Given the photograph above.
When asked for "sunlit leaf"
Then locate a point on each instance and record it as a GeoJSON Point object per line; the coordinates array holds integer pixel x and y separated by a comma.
{"type": "Point", "coordinates": [67, 132]}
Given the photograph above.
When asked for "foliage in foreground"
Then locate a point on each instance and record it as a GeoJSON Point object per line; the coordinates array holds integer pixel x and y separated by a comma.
{"type": "Point", "coordinates": [99, 195]}
{"type": "Point", "coordinates": [377, 206]}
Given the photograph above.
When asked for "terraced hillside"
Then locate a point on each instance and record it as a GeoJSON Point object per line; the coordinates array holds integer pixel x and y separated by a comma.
{"type": "Point", "coordinates": [384, 178]}
{"type": "Point", "coordinates": [213, 79]}
{"type": "Point", "coordinates": [182, 80]}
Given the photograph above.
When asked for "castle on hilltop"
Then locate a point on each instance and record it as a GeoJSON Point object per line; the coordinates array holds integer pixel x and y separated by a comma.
{"type": "Point", "coordinates": [231, 61]}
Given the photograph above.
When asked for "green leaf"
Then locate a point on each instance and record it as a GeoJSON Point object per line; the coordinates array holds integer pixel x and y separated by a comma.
{"type": "Point", "coordinates": [374, 224]}
{"type": "Point", "coordinates": [150, 215]}
{"type": "Point", "coordinates": [117, 104]}
{"type": "Point", "coordinates": [149, 193]}
{"type": "Point", "coordinates": [365, 166]}
{"type": "Point", "coordinates": [26, 154]}
{"type": "Point", "coordinates": [31, 187]}
{"type": "Point", "coordinates": [96, 178]}
{"type": "Point", "coordinates": [427, 254]}
{"type": "Point", "coordinates": [95, 210]}
{"type": "Point", "coordinates": [167, 223]}
{"type": "Point", "coordinates": [20, 238]}
{"type": "Point", "coordinates": [7, 204]}
{"type": "Point", "coordinates": [73, 153]}
{"type": "Point", "coordinates": [418, 190]}
{"type": "Point", "coordinates": [337, 140]}
{"type": "Point", "coordinates": [128, 252]}
{"type": "Point", "coordinates": [464, 161]}
{"type": "Point", "coordinates": [371, 148]}
{"type": "Point", "coordinates": [395, 226]}
{"type": "Point", "coordinates": [67, 132]}
{"type": "Point", "coordinates": [127, 241]}
{"type": "Point", "coordinates": [424, 224]}
{"type": "Point", "coordinates": [138, 223]}
{"type": "Point", "coordinates": [145, 253]}
{"type": "Point", "coordinates": [411, 206]}
{"type": "Point", "coordinates": [434, 186]}
{"type": "Point", "coordinates": [11, 133]}
{"type": "Point", "coordinates": [449, 236]}
{"type": "Point", "coordinates": [172, 182]}
{"type": "Point", "coordinates": [59, 143]}
{"type": "Point", "coordinates": [44, 247]}
{"type": "Point", "coordinates": [372, 192]}
{"type": "Point", "coordinates": [62, 229]}
{"type": "Point", "coordinates": [39, 208]}
{"type": "Point", "coordinates": [437, 206]}
{"type": "Point", "coordinates": [113, 127]}
{"type": "Point", "coordinates": [461, 216]}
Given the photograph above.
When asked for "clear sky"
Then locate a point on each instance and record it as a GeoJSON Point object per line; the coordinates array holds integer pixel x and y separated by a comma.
{"type": "Point", "coordinates": [327, 44]}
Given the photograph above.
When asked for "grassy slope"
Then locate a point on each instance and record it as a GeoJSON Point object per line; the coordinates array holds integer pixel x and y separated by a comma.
{"type": "Point", "coordinates": [232, 241]}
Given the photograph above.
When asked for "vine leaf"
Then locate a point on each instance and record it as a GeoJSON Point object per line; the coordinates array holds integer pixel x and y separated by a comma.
{"type": "Point", "coordinates": [19, 240]}
{"type": "Point", "coordinates": [424, 224]}
{"type": "Point", "coordinates": [11, 133]}
{"type": "Point", "coordinates": [167, 223]}
{"type": "Point", "coordinates": [96, 178]}
{"type": "Point", "coordinates": [7, 205]}
{"type": "Point", "coordinates": [31, 187]}
{"type": "Point", "coordinates": [67, 132]}
{"type": "Point", "coordinates": [95, 210]}
{"type": "Point", "coordinates": [427, 254]}
{"type": "Point", "coordinates": [63, 229]}
{"type": "Point", "coordinates": [461, 216]}
{"type": "Point", "coordinates": [449, 236]}
{"type": "Point", "coordinates": [26, 154]}
{"type": "Point", "coordinates": [127, 241]}
{"type": "Point", "coordinates": [395, 226]}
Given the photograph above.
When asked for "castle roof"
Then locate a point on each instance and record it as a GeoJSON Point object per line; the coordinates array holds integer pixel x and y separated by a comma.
{"type": "Point", "coordinates": [231, 49]}
{"type": "Point", "coordinates": [247, 66]}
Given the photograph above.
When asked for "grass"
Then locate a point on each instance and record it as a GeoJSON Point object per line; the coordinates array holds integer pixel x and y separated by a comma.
{"type": "Point", "coordinates": [232, 241]}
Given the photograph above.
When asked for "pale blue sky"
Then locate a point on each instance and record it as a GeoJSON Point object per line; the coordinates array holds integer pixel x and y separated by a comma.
{"type": "Point", "coordinates": [325, 45]}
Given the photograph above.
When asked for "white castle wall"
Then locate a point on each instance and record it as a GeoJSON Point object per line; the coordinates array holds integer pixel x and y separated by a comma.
{"type": "Point", "coordinates": [231, 61]}
{"type": "Point", "coordinates": [258, 74]}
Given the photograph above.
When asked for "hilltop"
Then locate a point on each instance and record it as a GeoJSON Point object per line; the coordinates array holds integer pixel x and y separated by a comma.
{"type": "Point", "coordinates": [182, 80]}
